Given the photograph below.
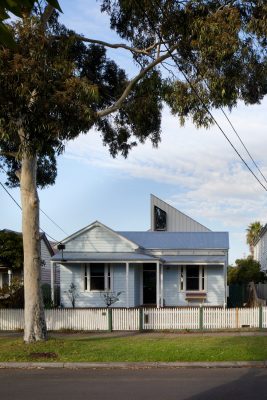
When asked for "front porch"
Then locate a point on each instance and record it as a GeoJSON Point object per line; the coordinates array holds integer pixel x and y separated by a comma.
{"type": "Point", "coordinates": [141, 282]}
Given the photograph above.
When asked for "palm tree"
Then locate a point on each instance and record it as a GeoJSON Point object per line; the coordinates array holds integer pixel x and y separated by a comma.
{"type": "Point", "coordinates": [253, 232]}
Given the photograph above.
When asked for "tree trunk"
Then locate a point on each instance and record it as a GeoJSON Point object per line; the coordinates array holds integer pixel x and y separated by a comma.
{"type": "Point", "coordinates": [35, 326]}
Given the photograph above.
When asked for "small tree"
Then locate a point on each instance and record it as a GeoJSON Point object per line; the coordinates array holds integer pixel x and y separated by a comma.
{"type": "Point", "coordinates": [12, 296]}
{"type": "Point", "coordinates": [110, 298]}
{"type": "Point", "coordinates": [72, 294]}
{"type": "Point", "coordinates": [246, 270]}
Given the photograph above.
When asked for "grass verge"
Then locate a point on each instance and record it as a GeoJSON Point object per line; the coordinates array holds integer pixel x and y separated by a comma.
{"type": "Point", "coordinates": [138, 347]}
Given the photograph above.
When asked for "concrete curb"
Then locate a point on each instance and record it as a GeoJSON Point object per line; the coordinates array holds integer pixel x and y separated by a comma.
{"type": "Point", "coordinates": [133, 365]}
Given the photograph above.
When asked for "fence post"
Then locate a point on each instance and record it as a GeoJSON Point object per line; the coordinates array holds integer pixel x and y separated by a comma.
{"type": "Point", "coordinates": [141, 319]}
{"type": "Point", "coordinates": [260, 316]}
{"type": "Point", "coordinates": [236, 318]}
{"type": "Point", "coordinates": [201, 318]}
{"type": "Point", "coordinates": [110, 319]}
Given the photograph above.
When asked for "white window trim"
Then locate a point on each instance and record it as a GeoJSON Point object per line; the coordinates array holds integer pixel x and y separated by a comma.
{"type": "Point", "coordinates": [86, 268]}
{"type": "Point", "coordinates": [201, 269]}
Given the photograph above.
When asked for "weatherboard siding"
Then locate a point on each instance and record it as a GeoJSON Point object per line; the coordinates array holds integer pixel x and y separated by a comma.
{"type": "Point", "coordinates": [173, 296]}
{"type": "Point", "coordinates": [260, 251]}
{"type": "Point", "coordinates": [99, 239]}
{"type": "Point", "coordinates": [215, 285]}
{"type": "Point", "coordinates": [46, 265]}
{"type": "Point", "coordinates": [74, 273]}
{"type": "Point", "coordinates": [137, 284]}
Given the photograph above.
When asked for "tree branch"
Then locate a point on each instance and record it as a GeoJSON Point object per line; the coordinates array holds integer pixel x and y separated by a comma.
{"type": "Point", "coordinates": [132, 83]}
{"type": "Point", "coordinates": [8, 154]}
{"type": "Point", "coordinates": [145, 52]}
{"type": "Point", "coordinates": [46, 15]}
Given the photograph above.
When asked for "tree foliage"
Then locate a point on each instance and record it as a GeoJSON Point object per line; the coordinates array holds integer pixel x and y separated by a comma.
{"type": "Point", "coordinates": [19, 8]}
{"type": "Point", "coordinates": [12, 296]}
{"type": "Point", "coordinates": [220, 47]}
{"type": "Point", "coordinates": [11, 249]}
{"type": "Point", "coordinates": [246, 270]}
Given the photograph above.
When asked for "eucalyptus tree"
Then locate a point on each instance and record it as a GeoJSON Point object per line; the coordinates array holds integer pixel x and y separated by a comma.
{"type": "Point", "coordinates": [56, 84]}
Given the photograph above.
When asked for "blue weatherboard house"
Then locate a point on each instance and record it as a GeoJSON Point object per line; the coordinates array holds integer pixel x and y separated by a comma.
{"type": "Point", "coordinates": [178, 262]}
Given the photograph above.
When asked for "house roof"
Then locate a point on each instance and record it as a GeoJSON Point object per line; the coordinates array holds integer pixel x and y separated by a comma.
{"type": "Point", "coordinates": [179, 240]}
{"type": "Point", "coordinates": [122, 257]}
{"type": "Point", "coordinates": [108, 257]}
{"type": "Point", "coordinates": [193, 259]}
{"type": "Point", "coordinates": [42, 237]}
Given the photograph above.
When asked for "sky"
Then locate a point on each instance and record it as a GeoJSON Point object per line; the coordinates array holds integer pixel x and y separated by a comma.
{"type": "Point", "coordinates": [195, 170]}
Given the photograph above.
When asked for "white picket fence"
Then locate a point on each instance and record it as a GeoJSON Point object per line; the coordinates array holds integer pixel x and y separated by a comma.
{"type": "Point", "coordinates": [133, 319]}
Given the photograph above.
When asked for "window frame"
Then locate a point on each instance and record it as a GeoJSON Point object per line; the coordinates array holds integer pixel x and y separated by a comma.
{"type": "Point", "coordinates": [202, 278]}
{"type": "Point", "coordinates": [158, 210]}
{"type": "Point", "coordinates": [86, 277]}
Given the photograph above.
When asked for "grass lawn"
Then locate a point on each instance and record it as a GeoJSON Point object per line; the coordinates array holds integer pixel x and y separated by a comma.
{"type": "Point", "coordinates": [138, 347]}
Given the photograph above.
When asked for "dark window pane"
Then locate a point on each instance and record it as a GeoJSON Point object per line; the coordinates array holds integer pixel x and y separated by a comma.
{"type": "Point", "coordinates": [97, 283]}
{"type": "Point", "coordinates": [97, 269]}
{"type": "Point", "coordinates": [192, 277]}
{"type": "Point", "coordinates": [192, 284]}
{"type": "Point", "coordinates": [160, 219]}
{"type": "Point", "coordinates": [192, 271]}
{"type": "Point", "coordinates": [97, 276]}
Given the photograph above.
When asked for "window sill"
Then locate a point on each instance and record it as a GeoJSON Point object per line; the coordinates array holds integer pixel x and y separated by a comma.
{"type": "Point", "coordinates": [195, 295]}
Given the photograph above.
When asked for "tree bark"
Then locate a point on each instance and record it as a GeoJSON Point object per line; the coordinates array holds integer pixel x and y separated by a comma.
{"type": "Point", "coordinates": [35, 326]}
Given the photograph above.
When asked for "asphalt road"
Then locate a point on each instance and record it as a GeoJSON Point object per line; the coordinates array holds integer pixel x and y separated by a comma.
{"type": "Point", "coordinates": [149, 384]}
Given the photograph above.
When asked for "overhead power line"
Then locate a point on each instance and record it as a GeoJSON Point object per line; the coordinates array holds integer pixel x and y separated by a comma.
{"type": "Point", "coordinates": [15, 201]}
{"type": "Point", "coordinates": [243, 144]}
{"type": "Point", "coordinates": [42, 211]}
{"type": "Point", "coordinates": [199, 97]}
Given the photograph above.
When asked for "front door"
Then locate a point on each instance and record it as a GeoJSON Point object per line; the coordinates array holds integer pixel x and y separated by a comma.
{"type": "Point", "coordinates": [149, 284]}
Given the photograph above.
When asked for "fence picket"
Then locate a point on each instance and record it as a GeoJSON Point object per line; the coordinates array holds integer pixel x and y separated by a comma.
{"type": "Point", "coordinates": [128, 319]}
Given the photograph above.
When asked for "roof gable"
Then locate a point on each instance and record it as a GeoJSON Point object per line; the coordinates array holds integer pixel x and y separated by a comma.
{"type": "Point", "coordinates": [97, 237]}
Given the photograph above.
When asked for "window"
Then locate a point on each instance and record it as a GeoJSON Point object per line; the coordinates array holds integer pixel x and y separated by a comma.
{"type": "Point", "coordinates": [97, 277]}
{"type": "Point", "coordinates": [193, 278]}
{"type": "Point", "coordinates": [160, 219]}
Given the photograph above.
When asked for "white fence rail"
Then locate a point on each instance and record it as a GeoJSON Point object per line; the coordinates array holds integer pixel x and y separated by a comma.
{"type": "Point", "coordinates": [171, 318]}
{"type": "Point", "coordinates": [133, 319]}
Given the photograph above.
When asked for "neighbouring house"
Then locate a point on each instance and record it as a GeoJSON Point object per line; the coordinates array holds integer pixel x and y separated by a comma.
{"type": "Point", "coordinates": [6, 273]}
{"type": "Point", "coordinates": [260, 248]}
{"type": "Point", "coordinates": [178, 262]}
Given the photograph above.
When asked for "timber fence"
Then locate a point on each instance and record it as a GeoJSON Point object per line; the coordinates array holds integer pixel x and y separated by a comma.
{"type": "Point", "coordinates": [142, 319]}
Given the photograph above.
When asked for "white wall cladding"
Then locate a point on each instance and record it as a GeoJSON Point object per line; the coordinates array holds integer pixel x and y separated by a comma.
{"type": "Point", "coordinates": [138, 270]}
{"type": "Point", "coordinates": [99, 239]}
{"type": "Point", "coordinates": [152, 318]}
{"type": "Point", "coordinates": [176, 220]}
{"type": "Point", "coordinates": [172, 295]}
{"type": "Point", "coordinates": [260, 251]}
{"type": "Point", "coordinates": [215, 286]}
{"type": "Point", "coordinates": [74, 273]}
{"type": "Point", "coordinates": [46, 268]}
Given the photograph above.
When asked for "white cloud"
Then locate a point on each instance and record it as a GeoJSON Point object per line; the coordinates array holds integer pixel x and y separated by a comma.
{"type": "Point", "coordinates": [211, 183]}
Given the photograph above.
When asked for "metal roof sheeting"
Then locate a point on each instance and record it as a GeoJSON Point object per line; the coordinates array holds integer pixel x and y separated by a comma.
{"type": "Point", "coordinates": [108, 257]}
{"type": "Point", "coordinates": [179, 240]}
{"type": "Point", "coordinates": [193, 259]}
